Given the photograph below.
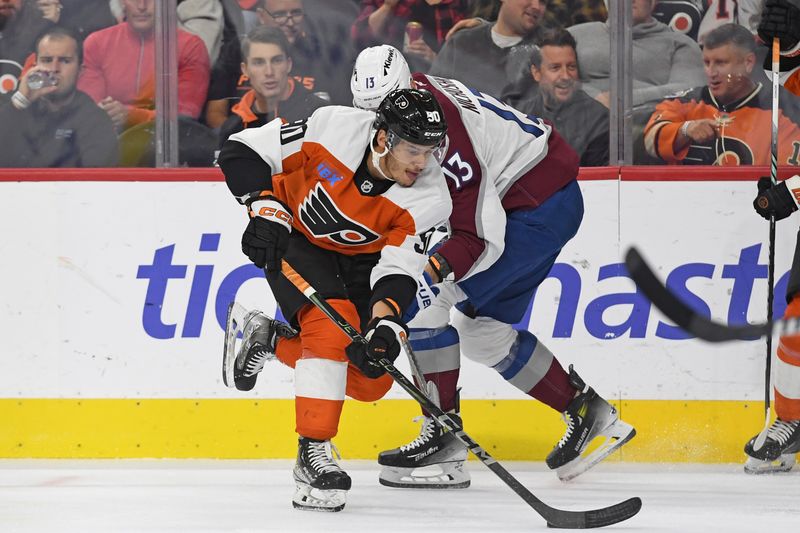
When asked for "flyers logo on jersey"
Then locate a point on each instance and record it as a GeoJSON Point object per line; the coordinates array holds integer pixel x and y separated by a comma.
{"type": "Point", "coordinates": [322, 218]}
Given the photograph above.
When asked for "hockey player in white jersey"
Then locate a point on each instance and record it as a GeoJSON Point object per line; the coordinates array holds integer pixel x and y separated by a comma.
{"type": "Point", "coordinates": [516, 203]}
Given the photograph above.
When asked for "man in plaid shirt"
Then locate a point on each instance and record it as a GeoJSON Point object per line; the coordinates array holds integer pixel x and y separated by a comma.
{"type": "Point", "coordinates": [384, 22]}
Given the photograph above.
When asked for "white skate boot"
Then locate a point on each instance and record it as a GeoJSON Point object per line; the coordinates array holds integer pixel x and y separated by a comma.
{"type": "Point", "coordinates": [260, 335]}
{"type": "Point", "coordinates": [588, 416]}
{"type": "Point", "coordinates": [321, 483]}
{"type": "Point", "coordinates": [779, 451]}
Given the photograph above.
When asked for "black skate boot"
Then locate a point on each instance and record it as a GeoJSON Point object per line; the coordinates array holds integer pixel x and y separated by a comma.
{"type": "Point", "coordinates": [260, 335]}
{"type": "Point", "coordinates": [778, 452]}
{"type": "Point", "coordinates": [321, 483]}
{"type": "Point", "coordinates": [588, 416]}
{"type": "Point", "coordinates": [435, 448]}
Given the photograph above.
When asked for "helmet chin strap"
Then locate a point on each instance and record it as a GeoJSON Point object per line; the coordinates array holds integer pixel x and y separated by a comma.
{"type": "Point", "coordinates": [376, 159]}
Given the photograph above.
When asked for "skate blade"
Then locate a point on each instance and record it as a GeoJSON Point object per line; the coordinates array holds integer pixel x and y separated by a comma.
{"type": "Point", "coordinates": [307, 498]}
{"type": "Point", "coordinates": [441, 476]}
{"type": "Point", "coordinates": [617, 434]}
{"type": "Point", "coordinates": [784, 463]}
{"type": "Point", "coordinates": [233, 327]}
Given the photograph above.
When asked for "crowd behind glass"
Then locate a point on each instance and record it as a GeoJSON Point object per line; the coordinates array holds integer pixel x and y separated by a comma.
{"type": "Point", "coordinates": [78, 82]}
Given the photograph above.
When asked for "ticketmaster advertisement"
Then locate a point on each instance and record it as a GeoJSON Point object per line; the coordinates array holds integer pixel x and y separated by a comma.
{"type": "Point", "coordinates": [118, 290]}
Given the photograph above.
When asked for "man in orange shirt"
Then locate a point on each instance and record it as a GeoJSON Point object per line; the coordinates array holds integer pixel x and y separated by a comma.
{"type": "Point", "coordinates": [267, 63]}
{"type": "Point", "coordinates": [727, 121]}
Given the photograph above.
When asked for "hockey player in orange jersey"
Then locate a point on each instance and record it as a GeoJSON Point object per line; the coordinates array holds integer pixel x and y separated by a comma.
{"type": "Point", "coordinates": [727, 121]}
{"type": "Point", "coordinates": [781, 19]}
{"type": "Point", "coordinates": [345, 198]}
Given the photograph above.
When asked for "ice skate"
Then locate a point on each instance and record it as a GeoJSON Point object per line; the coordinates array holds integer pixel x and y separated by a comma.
{"type": "Point", "coordinates": [434, 460]}
{"type": "Point", "coordinates": [260, 335]}
{"type": "Point", "coordinates": [321, 484]}
{"type": "Point", "coordinates": [778, 453]}
{"type": "Point", "coordinates": [588, 416]}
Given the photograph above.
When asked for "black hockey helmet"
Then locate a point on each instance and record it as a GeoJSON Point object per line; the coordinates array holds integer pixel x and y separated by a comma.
{"type": "Point", "coordinates": [414, 115]}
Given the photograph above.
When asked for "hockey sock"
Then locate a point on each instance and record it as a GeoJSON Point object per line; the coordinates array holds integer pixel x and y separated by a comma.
{"type": "Point", "coordinates": [533, 369]}
{"type": "Point", "coordinates": [439, 358]}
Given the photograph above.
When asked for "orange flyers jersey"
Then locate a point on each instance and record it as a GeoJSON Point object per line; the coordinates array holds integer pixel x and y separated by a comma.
{"type": "Point", "coordinates": [315, 166]}
{"type": "Point", "coordinates": [791, 79]}
{"type": "Point", "coordinates": [744, 129]}
{"type": "Point", "coordinates": [696, 18]}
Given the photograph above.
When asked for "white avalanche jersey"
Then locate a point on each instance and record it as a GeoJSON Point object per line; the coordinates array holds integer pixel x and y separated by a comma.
{"type": "Point", "coordinates": [318, 173]}
{"type": "Point", "coordinates": [498, 159]}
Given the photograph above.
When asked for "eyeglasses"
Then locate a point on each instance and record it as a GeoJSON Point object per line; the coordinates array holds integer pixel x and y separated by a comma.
{"type": "Point", "coordinates": [282, 17]}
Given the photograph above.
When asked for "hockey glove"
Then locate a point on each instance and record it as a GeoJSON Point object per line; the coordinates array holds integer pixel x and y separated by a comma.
{"type": "Point", "coordinates": [382, 343]}
{"type": "Point", "coordinates": [782, 20]}
{"type": "Point", "coordinates": [426, 294]}
{"type": "Point", "coordinates": [266, 237]}
{"type": "Point", "coordinates": [779, 200]}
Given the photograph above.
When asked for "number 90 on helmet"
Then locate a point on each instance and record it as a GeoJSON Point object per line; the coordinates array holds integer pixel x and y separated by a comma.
{"type": "Point", "coordinates": [378, 71]}
{"type": "Point", "coordinates": [414, 116]}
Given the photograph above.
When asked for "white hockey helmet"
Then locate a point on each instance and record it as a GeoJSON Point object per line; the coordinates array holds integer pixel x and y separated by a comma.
{"type": "Point", "coordinates": [378, 71]}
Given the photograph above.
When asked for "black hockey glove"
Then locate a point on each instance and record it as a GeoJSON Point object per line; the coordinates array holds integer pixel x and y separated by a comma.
{"type": "Point", "coordinates": [774, 201]}
{"type": "Point", "coordinates": [382, 343]}
{"type": "Point", "coordinates": [780, 19]}
{"type": "Point", "coordinates": [266, 237]}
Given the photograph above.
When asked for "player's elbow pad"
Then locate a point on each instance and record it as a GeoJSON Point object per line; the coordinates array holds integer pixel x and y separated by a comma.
{"type": "Point", "coordinates": [245, 171]}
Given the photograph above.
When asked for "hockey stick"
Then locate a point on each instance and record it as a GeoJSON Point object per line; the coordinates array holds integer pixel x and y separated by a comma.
{"type": "Point", "coordinates": [773, 175]}
{"type": "Point", "coordinates": [685, 317]}
{"type": "Point", "coordinates": [556, 518]}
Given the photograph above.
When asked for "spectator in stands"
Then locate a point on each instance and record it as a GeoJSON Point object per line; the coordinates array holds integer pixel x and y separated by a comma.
{"type": "Point", "coordinates": [384, 22]}
{"type": "Point", "coordinates": [322, 67]}
{"type": "Point", "coordinates": [203, 18]}
{"type": "Point", "coordinates": [727, 121]}
{"type": "Point", "coordinates": [664, 61]}
{"type": "Point", "coordinates": [564, 13]}
{"type": "Point", "coordinates": [273, 93]}
{"type": "Point", "coordinates": [20, 24]}
{"type": "Point", "coordinates": [249, 15]}
{"type": "Point", "coordinates": [55, 125]}
{"type": "Point", "coordinates": [119, 68]}
{"type": "Point", "coordinates": [50, 9]}
{"type": "Point", "coordinates": [579, 118]}
{"type": "Point", "coordinates": [696, 18]}
{"type": "Point", "coordinates": [83, 17]}
{"type": "Point", "coordinates": [480, 57]}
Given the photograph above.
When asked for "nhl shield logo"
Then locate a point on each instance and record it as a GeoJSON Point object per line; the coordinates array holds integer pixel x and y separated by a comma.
{"type": "Point", "coordinates": [366, 186]}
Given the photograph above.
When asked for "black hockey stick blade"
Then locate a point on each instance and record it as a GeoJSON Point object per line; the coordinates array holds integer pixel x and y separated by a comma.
{"type": "Point", "coordinates": [680, 313]}
{"type": "Point", "coordinates": [556, 518]}
{"type": "Point", "coordinates": [596, 518]}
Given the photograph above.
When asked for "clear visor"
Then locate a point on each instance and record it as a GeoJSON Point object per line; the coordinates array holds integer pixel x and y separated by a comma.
{"type": "Point", "coordinates": [409, 153]}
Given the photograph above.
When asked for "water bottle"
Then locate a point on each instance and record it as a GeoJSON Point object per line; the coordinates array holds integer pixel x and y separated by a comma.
{"type": "Point", "coordinates": [41, 78]}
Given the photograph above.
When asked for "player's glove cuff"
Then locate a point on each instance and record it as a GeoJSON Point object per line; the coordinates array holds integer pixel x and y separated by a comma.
{"type": "Point", "coordinates": [272, 209]}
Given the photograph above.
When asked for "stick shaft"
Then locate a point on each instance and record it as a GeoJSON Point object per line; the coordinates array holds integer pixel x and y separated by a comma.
{"type": "Point", "coordinates": [773, 174]}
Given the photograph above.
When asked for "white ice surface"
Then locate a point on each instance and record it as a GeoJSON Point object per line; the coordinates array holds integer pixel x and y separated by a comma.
{"type": "Point", "coordinates": [254, 496]}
